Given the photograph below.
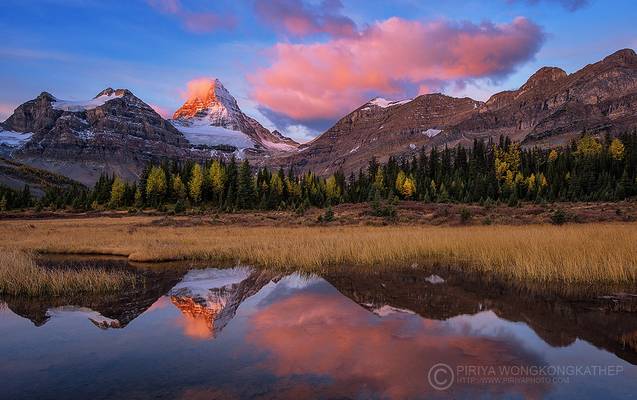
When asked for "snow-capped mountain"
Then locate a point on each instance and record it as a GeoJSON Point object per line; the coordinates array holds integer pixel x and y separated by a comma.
{"type": "Point", "coordinates": [114, 132]}
{"type": "Point", "coordinates": [214, 119]}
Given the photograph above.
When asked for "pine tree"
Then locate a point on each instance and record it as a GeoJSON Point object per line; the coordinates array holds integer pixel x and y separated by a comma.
{"type": "Point", "coordinates": [616, 150]}
{"type": "Point", "coordinates": [25, 198]}
{"type": "Point", "coordinates": [139, 200]}
{"type": "Point", "coordinates": [156, 186]}
{"type": "Point", "coordinates": [195, 185]}
{"type": "Point", "coordinates": [118, 191]}
{"type": "Point", "coordinates": [332, 191]}
{"type": "Point", "coordinates": [179, 189]}
{"type": "Point", "coordinates": [217, 180]}
{"type": "Point", "coordinates": [245, 187]}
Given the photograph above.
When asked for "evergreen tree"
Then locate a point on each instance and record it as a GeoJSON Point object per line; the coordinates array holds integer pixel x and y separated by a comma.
{"type": "Point", "coordinates": [118, 191]}
{"type": "Point", "coordinates": [195, 185]}
{"type": "Point", "coordinates": [156, 186]}
{"type": "Point", "coordinates": [245, 187]}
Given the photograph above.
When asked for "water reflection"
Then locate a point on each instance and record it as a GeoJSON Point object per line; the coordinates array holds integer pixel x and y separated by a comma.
{"type": "Point", "coordinates": [246, 333]}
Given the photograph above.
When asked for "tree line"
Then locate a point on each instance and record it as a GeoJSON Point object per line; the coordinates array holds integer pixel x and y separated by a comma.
{"type": "Point", "coordinates": [589, 169]}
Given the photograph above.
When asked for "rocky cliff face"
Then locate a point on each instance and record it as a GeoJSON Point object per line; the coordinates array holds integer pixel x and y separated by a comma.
{"type": "Point", "coordinates": [213, 119]}
{"type": "Point", "coordinates": [550, 109]}
{"type": "Point", "coordinates": [115, 132]}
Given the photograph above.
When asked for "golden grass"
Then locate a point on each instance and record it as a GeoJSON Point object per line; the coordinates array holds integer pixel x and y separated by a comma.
{"type": "Point", "coordinates": [19, 275]}
{"type": "Point", "coordinates": [585, 253]}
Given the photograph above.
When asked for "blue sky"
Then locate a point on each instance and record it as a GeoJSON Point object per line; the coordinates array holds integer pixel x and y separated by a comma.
{"type": "Point", "coordinates": [75, 48]}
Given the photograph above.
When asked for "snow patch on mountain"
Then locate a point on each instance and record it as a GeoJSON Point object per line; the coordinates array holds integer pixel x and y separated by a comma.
{"type": "Point", "coordinates": [431, 132]}
{"type": "Point", "coordinates": [279, 146]}
{"type": "Point", "coordinates": [205, 134]}
{"type": "Point", "coordinates": [14, 139]}
{"type": "Point", "coordinates": [83, 105]}
{"type": "Point", "coordinates": [384, 103]}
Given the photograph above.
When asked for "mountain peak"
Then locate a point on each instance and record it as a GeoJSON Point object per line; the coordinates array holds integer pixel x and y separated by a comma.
{"type": "Point", "coordinates": [207, 98]}
{"type": "Point", "coordinates": [384, 103]}
{"type": "Point", "coordinates": [544, 76]}
{"type": "Point", "coordinates": [110, 92]}
{"type": "Point", "coordinates": [46, 95]}
{"type": "Point", "coordinates": [623, 56]}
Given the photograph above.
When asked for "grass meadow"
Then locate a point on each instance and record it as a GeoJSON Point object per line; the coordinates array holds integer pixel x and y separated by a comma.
{"type": "Point", "coordinates": [574, 253]}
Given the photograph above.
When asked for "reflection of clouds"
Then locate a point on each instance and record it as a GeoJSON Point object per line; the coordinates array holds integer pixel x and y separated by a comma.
{"type": "Point", "coordinates": [328, 336]}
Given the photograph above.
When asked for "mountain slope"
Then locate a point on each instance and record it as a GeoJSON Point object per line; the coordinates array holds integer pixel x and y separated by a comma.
{"type": "Point", "coordinates": [16, 176]}
{"type": "Point", "coordinates": [381, 128]}
{"type": "Point", "coordinates": [213, 118]}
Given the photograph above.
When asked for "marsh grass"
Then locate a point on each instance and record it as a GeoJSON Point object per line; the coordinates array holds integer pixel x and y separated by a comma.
{"type": "Point", "coordinates": [21, 276]}
{"type": "Point", "coordinates": [578, 253]}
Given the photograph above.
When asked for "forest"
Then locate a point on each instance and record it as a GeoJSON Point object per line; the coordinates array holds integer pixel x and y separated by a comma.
{"type": "Point", "coordinates": [589, 169]}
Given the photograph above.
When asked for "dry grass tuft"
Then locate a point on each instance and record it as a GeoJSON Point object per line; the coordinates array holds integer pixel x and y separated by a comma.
{"type": "Point", "coordinates": [584, 253]}
{"type": "Point", "coordinates": [19, 275]}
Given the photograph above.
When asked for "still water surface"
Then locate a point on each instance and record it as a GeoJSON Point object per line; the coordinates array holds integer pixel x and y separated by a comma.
{"type": "Point", "coordinates": [243, 333]}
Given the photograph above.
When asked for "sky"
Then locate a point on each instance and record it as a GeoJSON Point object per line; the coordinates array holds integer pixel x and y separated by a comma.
{"type": "Point", "coordinates": [298, 65]}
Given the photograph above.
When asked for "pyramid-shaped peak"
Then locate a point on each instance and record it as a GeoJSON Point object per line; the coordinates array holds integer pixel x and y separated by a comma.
{"type": "Point", "coordinates": [205, 96]}
{"type": "Point", "coordinates": [46, 95]}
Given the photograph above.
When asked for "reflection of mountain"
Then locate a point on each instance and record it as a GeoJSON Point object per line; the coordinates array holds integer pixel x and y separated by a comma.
{"type": "Point", "coordinates": [609, 323]}
{"type": "Point", "coordinates": [114, 310]}
{"type": "Point", "coordinates": [209, 298]}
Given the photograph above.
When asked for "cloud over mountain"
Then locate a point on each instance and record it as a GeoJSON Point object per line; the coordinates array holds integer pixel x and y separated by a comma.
{"type": "Point", "coordinates": [394, 58]}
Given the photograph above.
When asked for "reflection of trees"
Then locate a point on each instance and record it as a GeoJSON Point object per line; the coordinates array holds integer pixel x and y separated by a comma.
{"type": "Point", "coordinates": [121, 307]}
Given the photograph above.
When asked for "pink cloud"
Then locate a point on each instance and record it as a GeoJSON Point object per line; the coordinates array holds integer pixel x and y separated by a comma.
{"type": "Point", "coordinates": [198, 88]}
{"type": "Point", "coordinates": [197, 22]}
{"type": "Point", "coordinates": [299, 19]}
{"type": "Point", "coordinates": [394, 58]}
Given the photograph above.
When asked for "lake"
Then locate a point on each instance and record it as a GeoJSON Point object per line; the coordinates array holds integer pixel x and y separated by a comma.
{"type": "Point", "coordinates": [235, 333]}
